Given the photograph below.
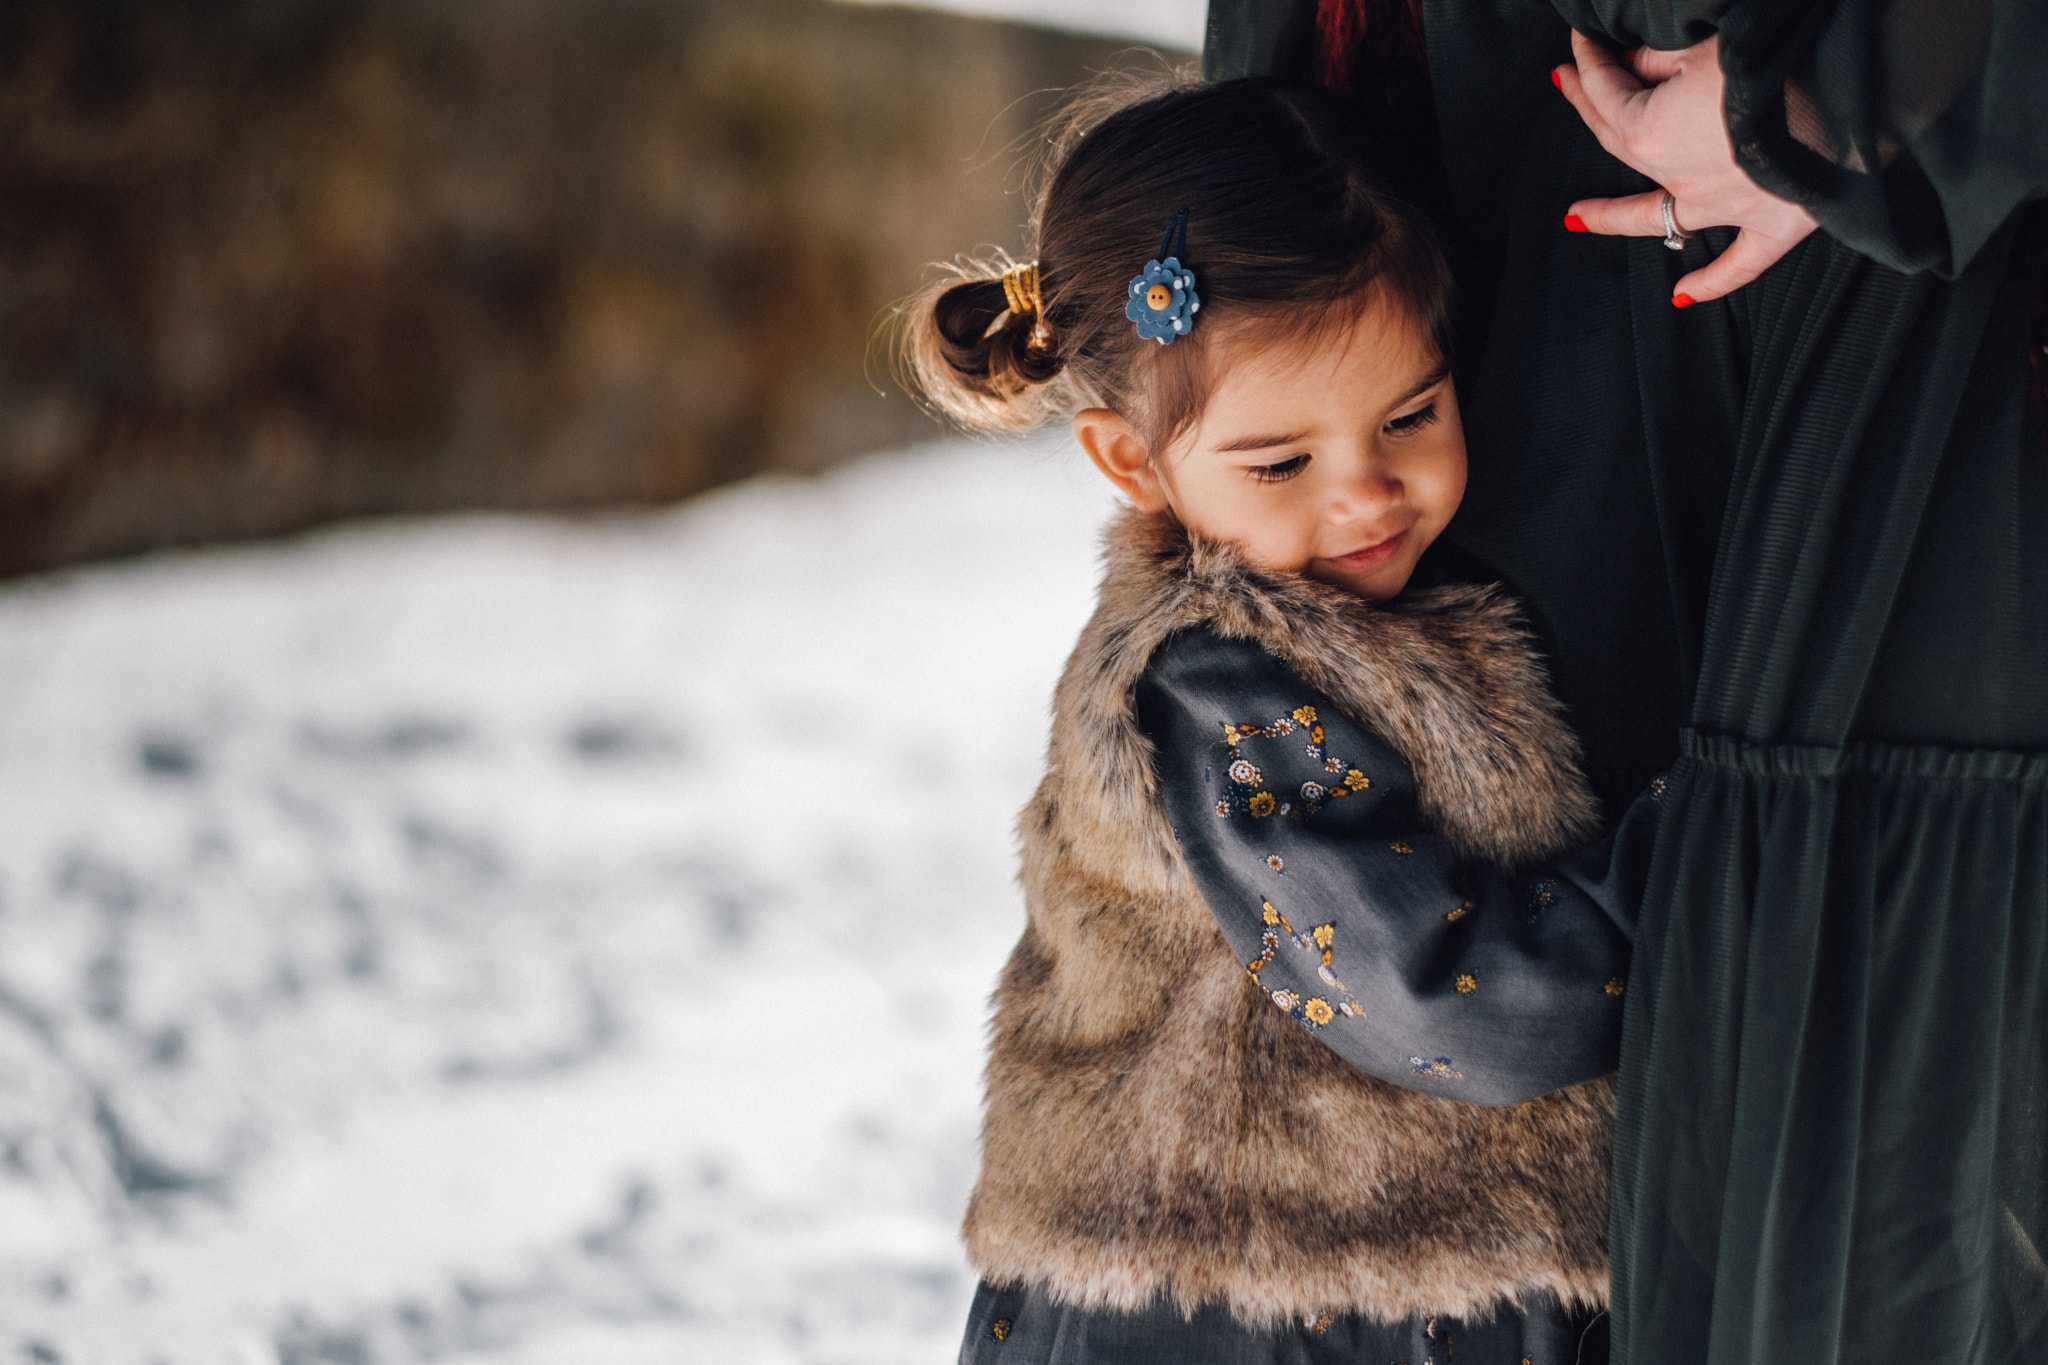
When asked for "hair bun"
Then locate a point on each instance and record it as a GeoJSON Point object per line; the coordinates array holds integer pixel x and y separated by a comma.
{"type": "Point", "coordinates": [979, 359]}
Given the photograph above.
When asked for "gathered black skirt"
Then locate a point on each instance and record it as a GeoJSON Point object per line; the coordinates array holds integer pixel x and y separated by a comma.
{"type": "Point", "coordinates": [1026, 1327]}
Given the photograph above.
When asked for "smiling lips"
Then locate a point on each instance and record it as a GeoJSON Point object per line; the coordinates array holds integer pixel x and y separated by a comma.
{"type": "Point", "coordinates": [1372, 556]}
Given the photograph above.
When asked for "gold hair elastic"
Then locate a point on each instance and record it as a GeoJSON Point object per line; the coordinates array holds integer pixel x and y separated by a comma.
{"type": "Point", "coordinates": [1020, 287]}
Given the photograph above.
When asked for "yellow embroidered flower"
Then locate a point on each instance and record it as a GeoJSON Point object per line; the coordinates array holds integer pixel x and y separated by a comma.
{"type": "Point", "coordinates": [1261, 804]}
{"type": "Point", "coordinates": [1272, 915]}
{"type": "Point", "coordinates": [1000, 1330]}
{"type": "Point", "coordinates": [1273, 861]}
{"type": "Point", "coordinates": [1318, 1010]}
{"type": "Point", "coordinates": [1315, 732]}
{"type": "Point", "coordinates": [1402, 847]}
{"type": "Point", "coordinates": [1257, 965]}
{"type": "Point", "coordinates": [1614, 986]}
{"type": "Point", "coordinates": [1322, 1324]}
{"type": "Point", "coordinates": [1357, 780]}
{"type": "Point", "coordinates": [1305, 714]}
{"type": "Point", "coordinates": [1459, 912]}
{"type": "Point", "coordinates": [1325, 934]}
{"type": "Point", "coordinates": [1466, 983]}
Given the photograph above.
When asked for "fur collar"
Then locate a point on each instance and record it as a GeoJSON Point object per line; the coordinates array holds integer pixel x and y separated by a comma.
{"type": "Point", "coordinates": [1154, 1126]}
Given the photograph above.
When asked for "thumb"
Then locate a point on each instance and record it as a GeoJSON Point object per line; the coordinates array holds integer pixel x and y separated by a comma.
{"type": "Point", "coordinates": [1748, 256]}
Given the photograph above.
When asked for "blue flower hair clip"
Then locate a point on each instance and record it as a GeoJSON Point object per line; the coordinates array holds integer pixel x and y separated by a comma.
{"type": "Point", "coordinates": [1163, 300]}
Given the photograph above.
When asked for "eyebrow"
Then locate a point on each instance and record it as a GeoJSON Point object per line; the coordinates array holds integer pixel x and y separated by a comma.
{"type": "Point", "coordinates": [1263, 442]}
{"type": "Point", "coordinates": [1288, 438]}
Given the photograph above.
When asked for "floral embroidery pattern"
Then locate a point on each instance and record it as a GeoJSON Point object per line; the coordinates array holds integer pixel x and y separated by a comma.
{"type": "Point", "coordinates": [1541, 897]}
{"type": "Point", "coordinates": [1458, 912]}
{"type": "Point", "coordinates": [1466, 983]}
{"type": "Point", "coordinates": [1440, 1069]}
{"type": "Point", "coordinates": [1248, 792]}
{"type": "Point", "coordinates": [1614, 986]}
{"type": "Point", "coordinates": [1273, 861]}
{"type": "Point", "coordinates": [1313, 1012]}
{"type": "Point", "coordinates": [1000, 1330]}
{"type": "Point", "coordinates": [1402, 847]}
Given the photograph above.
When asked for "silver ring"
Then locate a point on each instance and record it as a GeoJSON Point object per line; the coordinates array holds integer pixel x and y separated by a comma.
{"type": "Point", "coordinates": [1675, 236]}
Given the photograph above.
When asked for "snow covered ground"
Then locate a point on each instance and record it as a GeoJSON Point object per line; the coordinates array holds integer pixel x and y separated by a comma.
{"type": "Point", "coordinates": [523, 941]}
{"type": "Point", "coordinates": [1171, 24]}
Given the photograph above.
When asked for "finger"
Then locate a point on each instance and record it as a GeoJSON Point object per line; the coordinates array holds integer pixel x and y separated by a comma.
{"type": "Point", "coordinates": [1748, 256]}
{"type": "Point", "coordinates": [1634, 215]}
{"type": "Point", "coordinates": [1608, 84]}
{"type": "Point", "coordinates": [1653, 67]}
{"type": "Point", "coordinates": [1573, 89]}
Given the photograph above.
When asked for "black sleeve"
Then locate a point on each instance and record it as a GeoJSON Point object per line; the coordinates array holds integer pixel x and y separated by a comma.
{"type": "Point", "coordinates": [1259, 38]}
{"type": "Point", "coordinates": [1302, 832]}
{"type": "Point", "coordinates": [1910, 128]}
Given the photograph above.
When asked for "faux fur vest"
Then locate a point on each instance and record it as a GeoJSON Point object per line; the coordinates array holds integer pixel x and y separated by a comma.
{"type": "Point", "coordinates": [1154, 1125]}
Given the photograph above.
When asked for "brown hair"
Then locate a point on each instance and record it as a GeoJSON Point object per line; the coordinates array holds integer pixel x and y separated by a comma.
{"type": "Point", "coordinates": [1289, 228]}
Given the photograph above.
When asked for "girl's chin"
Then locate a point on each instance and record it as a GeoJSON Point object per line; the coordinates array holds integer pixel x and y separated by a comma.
{"type": "Point", "coordinates": [1374, 585]}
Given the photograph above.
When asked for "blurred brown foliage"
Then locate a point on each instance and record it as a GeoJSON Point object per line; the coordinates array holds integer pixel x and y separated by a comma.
{"type": "Point", "coordinates": [263, 264]}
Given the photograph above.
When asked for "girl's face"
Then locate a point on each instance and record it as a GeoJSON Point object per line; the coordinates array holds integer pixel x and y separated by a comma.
{"type": "Point", "coordinates": [1341, 458]}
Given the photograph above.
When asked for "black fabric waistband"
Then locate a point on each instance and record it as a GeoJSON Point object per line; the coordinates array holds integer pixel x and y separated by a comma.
{"type": "Point", "coordinates": [1865, 758]}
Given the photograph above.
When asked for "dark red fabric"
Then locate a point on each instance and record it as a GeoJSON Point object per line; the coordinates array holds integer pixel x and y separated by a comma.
{"type": "Point", "coordinates": [1371, 50]}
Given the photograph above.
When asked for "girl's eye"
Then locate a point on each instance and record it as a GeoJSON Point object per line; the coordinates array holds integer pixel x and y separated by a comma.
{"type": "Point", "coordinates": [1280, 472]}
{"type": "Point", "coordinates": [1413, 421]}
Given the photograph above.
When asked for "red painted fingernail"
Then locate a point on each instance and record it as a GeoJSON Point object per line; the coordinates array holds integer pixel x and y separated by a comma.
{"type": "Point", "coordinates": [1556, 79]}
{"type": "Point", "coordinates": [1574, 223]}
{"type": "Point", "coordinates": [1683, 300]}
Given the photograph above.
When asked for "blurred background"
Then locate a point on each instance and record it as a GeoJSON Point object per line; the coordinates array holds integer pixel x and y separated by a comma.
{"type": "Point", "coordinates": [510, 719]}
{"type": "Point", "coordinates": [269, 264]}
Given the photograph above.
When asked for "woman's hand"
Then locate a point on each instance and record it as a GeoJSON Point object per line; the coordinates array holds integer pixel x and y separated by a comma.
{"type": "Point", "coordinates": [1661, 114]}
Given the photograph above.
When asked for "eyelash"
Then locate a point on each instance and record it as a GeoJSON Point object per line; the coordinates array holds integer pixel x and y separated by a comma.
{"type": "Point", "coordinates": [1280, 471]}
{"type": "Point", "coordinates": [1414, 421]}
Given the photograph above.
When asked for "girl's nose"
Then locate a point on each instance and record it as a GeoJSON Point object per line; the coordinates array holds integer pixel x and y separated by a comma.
{"type": "Point", "coordinates": [1364, 494]}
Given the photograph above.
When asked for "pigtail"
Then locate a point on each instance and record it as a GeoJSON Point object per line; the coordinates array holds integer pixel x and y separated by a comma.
{"type": "Point", "coordinates": [988, 365]}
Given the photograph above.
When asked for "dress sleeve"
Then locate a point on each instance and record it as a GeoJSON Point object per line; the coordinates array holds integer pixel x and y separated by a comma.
{"type": "Point", "coordinates": [1258, 38]}
{"type": "Point", "coordinates": [1302, 831]}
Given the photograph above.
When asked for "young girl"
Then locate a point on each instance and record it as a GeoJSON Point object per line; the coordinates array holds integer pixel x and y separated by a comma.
{"type": "Point", "coordinates": [1300, 1055]}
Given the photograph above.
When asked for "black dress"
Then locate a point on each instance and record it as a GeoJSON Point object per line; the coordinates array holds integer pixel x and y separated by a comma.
{"type": "Point", "coordinates": [1793, 544]}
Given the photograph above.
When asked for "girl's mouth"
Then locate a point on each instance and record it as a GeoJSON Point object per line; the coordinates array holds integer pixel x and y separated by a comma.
{"type": "Point", "coordinates": [1372, 556]}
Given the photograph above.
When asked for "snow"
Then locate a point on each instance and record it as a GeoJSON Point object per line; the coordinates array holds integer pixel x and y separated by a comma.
{"type": "Point", "coordinates": [523, 941]}
{"type": "Point", "coordinates": [1172, 24]}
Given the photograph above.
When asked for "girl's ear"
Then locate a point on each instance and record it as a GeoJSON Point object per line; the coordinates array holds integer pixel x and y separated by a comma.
{"type": "Point", "coordinates": [1114, 446]}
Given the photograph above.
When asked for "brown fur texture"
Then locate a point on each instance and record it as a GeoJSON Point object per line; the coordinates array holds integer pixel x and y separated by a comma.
{"type": "Point", "coordinates": [1154, 1126]}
